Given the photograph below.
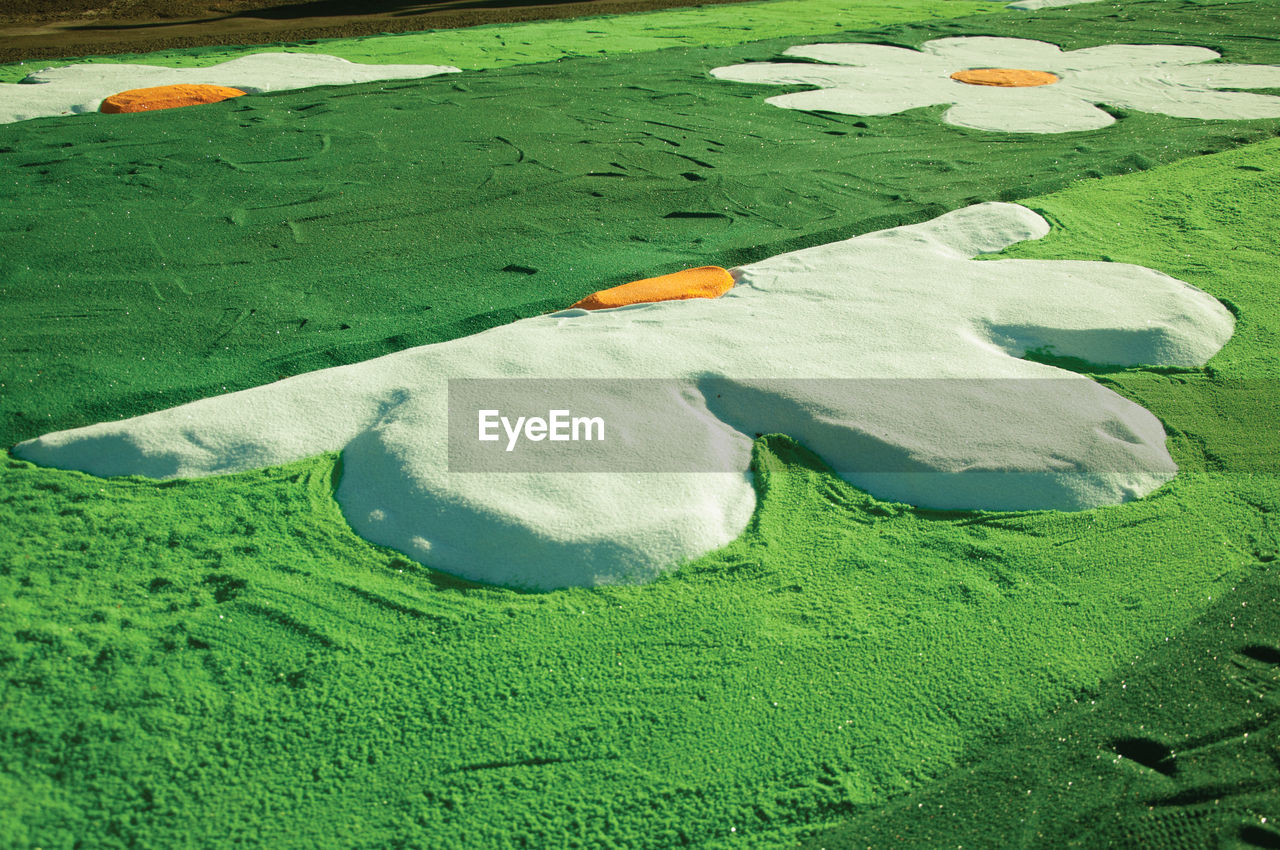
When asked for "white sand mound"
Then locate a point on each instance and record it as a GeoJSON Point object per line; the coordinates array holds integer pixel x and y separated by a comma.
{"type": "Point", "coordinates": [945, 415]}
{"type": "Point", "coordinates": [82, 88]}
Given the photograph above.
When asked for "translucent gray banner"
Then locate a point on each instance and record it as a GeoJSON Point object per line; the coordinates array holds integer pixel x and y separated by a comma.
{"type": "Point", "coordinates": [860, 426]}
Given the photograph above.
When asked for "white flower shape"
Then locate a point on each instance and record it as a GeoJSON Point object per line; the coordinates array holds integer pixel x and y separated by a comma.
{"type": "Point", "coordinates": [80, 88]}
{"type": "Point", "coordinates": [944, 412]}
{"type": "Point", "coordinates": [1030, 5]}
{"type": "Point", "coordinates": [1017, 85]}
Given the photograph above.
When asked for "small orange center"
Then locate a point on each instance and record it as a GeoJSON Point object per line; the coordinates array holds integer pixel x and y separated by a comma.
{"type": "Point", "coordinates": [166, 97]}
{"type": "Point", "coordinates": [704, 282]}
{"type": "Point", "coordinates": [1007, 77]}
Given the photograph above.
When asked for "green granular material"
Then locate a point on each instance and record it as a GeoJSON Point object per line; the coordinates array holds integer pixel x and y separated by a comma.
{"type": "Point", "coordinates": [222, 661]}
{"type": "Point", "coordinates": [1175, 750]}
{"type": "Point", "coordinates": [503, 45]}
{"type": "Point", "coordinates": [158, 258]}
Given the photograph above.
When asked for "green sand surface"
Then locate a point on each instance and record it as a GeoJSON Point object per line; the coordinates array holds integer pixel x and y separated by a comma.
{"type": "Point", "coordinates": [220, 661]}
{"type": "Point", "coordinates": [503, 45]}
{"type": "Point", "coordinates": [1174, 750]}
{"type": "Point", "coordinates": [174, 255]}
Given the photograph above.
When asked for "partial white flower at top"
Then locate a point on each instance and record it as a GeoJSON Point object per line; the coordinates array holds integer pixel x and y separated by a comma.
{"type": "Point", "coordinates": [1017, 85]}
{"type": "Point", "coordinates": [82, 87]}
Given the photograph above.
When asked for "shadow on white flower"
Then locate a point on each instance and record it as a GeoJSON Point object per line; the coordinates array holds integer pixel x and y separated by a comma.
{"type": "Point", "coordinates": [1016, 85]}
{"type": "Point", "coordinates": [944, 413]}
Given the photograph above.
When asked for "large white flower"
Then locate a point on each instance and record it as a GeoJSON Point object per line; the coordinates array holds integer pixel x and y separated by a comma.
{"type": "Point", "coordinates": [1017, 85]}
{"type": "Point", "coordinates": [894, 355]}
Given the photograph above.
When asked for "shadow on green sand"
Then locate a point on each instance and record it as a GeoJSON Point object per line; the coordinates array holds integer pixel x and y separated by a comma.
{"type": "Point", "coordinates": [1179, 749]}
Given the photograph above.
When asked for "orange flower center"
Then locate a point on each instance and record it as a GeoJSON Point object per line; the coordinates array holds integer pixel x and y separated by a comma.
{"type": "Point", "coordinates": [1008, 77]}
{"type": "Point", "coordinates": [166, 97]}
{"type": "Point", "coordinates": [704, 282]}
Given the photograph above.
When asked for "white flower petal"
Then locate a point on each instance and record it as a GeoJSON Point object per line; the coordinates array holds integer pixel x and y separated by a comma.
{"type": "Point", "coordinates": [792, 74]}
{"type": "Point", "coordinates": [1133, 56]}
{"type": "Point", "coordinates": [1224, 76]}
{"type": "Point", "coordinates": [1164, 98]}
{"type": "Point", "coordinates": [990, 52]}
{"type": "Point", "coordinates": [850, 101]}
{"type": "Point", "coordinates": [1072, 303]}
{"type": "Point", "coordinates": [980, 229]}
{"type": "Point", "coordinates": [1026, 110]}
{"type": "Point", "coordinates": [1028, 5]}
{"type": "Point", "coordinates": [866, 55]}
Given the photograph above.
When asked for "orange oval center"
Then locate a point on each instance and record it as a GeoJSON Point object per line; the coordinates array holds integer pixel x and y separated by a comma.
{"type": "Point", "coordinates": [704, 282]}
{"type": "Point", "coordinates": [166, 97]}
{"type": "Point", "coordinates": [1007, 77]}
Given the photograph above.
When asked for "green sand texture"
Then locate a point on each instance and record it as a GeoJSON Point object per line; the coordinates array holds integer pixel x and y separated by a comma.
{"type": "Point", "coordinates": [196, 664]}
{"type": "Point", "coordinates": [1177, 749]}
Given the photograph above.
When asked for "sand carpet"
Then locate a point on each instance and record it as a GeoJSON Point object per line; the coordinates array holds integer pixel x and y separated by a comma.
{"type": "Point", "coordinates": [224, 661]}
